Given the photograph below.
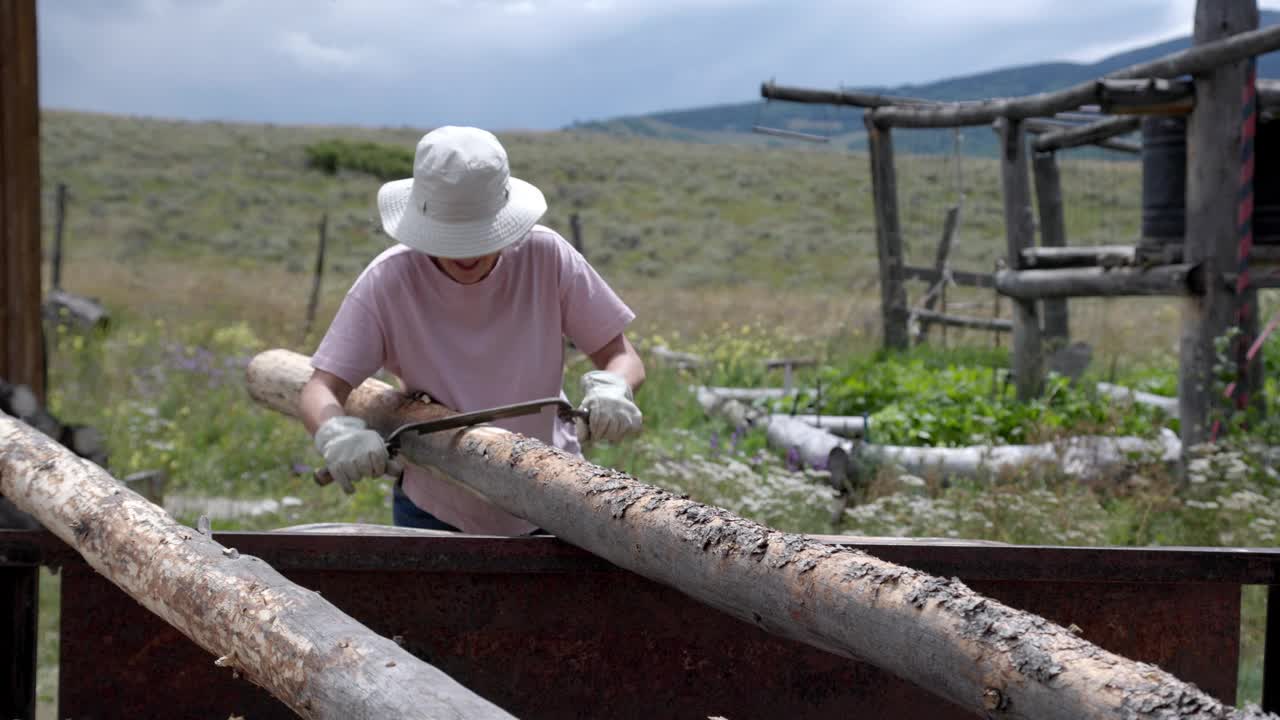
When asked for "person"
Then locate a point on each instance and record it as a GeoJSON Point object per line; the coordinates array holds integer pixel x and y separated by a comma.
{"type": "Point", "coordinates": [470, 307]}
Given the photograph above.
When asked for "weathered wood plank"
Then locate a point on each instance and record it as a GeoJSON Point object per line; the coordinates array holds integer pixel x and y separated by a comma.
{"type": "Point", "coordinates": [254, 621]}
{"type": "Point", "coordinates": [974, 651]}
{"type": "Point", "coordinates": [1048, 257]}
{"type": "Point", "coordinates": [963, 278]}
{"type": "Point", "coordinates": [965, 321]}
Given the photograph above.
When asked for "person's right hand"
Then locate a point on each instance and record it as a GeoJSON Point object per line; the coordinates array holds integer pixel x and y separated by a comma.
{"type": "Point", "coordinates": [351, 450]}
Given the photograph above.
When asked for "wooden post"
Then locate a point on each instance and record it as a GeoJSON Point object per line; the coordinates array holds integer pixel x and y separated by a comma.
{"type": "Point", "coordinates": [575, 234]}
{"type": "Point", "coordinates": [59, 223]}
{"type": "Point", "coordinates": [1213, 180]}
{"type": "Point", "coordinates": [314, 300]}
{"type": "Point", "coordinates": [1053, 233]}
{"type": "Point", "coordinates": [884, 188]}
{"type": "Point", "coordinates": [986, 657]}
{"type": "Point", "coordinates": [1028, 354]}
{"type": "Point", "coordinates": [21, 339]}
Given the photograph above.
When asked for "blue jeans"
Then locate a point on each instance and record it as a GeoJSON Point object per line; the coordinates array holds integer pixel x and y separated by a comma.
{"type": "Point", "coordinates": [405, 513]}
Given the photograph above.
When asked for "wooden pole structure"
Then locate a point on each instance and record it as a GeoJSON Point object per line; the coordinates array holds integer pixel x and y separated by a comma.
{"type": "Point", "coordinates": [978, 653]}
{"type": "Point", "coordinates": [1213, 172]}
{"type": "Point", "coordinates": [1043, 126]}
{"type": "Point", "coordinates": [884, 189]}
{"type": "Point", "coordinates": [1162, 280]}
{"type": "Point", "coordinates": [255, 622]}
{"type": "Point", "coordinates": [1019, 223]}
{"type": "Point", "coordinates": [1194, 61]}
{"type": "Point", "coordinates": [1053, 233]}
{"type": "Point", "coordinates": [313, 302]}
{"type": "Point", "coordinates": [938, 291]}
{"type": "Point", "coordinates": [22, 360]}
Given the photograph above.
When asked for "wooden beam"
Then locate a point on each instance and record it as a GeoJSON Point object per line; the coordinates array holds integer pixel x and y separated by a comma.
{"type": "Point", "coordinates": [938, 288]}
{"type": "Point", "coordinates": [964, 321]}
{"type": "Point", "coordinates": [255, 622]}
{"type": "Point", "coordinates": [1089, 134]}
{"type": "Point", "coordinates": [1053, 237]}
{"type": "Point", "coordinates": [1040, 126]}
{"type": "Point", "coordinates": [852, 98]}
{"type": "Point", "coordinates": [1049, 256]}
{"type": "Point", "coordinates": [1019, 222]}
{"type": "Point", "coordinates": [963, 278]}
{"type": "Point", "coordinates": [1166, 280]}
{"type": "Point", "coordinates": [884, 189]}
{"type": "Point", "coordinates": [21, 343]}
{"type": "Point", "coordinates": [1213, 186]}
{"type": "Point", "coordinates": [1200, 59]}
{"type": "Point", "coordinates": [978, 653]}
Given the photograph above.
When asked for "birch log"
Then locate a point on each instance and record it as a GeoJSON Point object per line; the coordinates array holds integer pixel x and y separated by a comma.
{"type": "Point", "coordinates": [285, 638]}
{"type": "Point", "coordinates": [976, 652]}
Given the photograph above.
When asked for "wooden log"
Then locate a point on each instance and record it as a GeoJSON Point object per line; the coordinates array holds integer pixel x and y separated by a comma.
{"type": "Point", "coordinates": [790, 134]}
{"type": "Point", "coordinates": [1203, 58]}
{"type": "Point", "coordinates": [1015, 180]}
{"type": "Point", "coordinates": [62, 307]}
{"type": "Point", "coordinates": [976, 652]}
{"type": "Point", "coordinates": [1086, 458]}
{"type": "Point", "coordinates": [285, 638]}
{"type": "Point", "coordinates": [1213, 186]}
{"type": "Point", "coordinates": [962, 278]}
{"type": "Point", "coordinates": [1168, 404]}
{"type": "Point", "coordinates": [815, 447]}
{"type": "Point", "coordinates": [1053, 238]}
{"type": "Point", "coordinates": [846, 426]}
{"type": "Point", "coordinates": [1162, 280]}
{"type": "Point", "coordinates": [59, 222]}
{"type": "Point", "coordinates": [884, 189]}
{"type": "Point", "coordinates": [743, 394]}
{"type": "Point", "coordinates": [939, 287]}
{"type": "Point", "coordinates": [964, 321]}
{"type": "Point", "coordinates": [1058, 255]}
{"type": "Point", "coordinates": [1148, 96]}
{"type": "Point", "coordinates": [1040, 126]}
{"type": "Point", "coordinates": [1089, 134]}
{"type": "Point", "coordinates": [852, 98]}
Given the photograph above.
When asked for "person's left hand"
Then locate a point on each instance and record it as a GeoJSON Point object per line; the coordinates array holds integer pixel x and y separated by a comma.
{"type": "Point", "coordinates": [614, 414]}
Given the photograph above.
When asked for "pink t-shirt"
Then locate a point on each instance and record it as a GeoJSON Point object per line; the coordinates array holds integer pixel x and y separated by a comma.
{"type": "Point", "coordinates": [470, 347]}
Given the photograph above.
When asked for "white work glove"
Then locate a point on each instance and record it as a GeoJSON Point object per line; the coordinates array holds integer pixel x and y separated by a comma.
{"type": "Point", "coordinates": [614, 415]}
{"type": "Point", "coordinates": [351, 451]}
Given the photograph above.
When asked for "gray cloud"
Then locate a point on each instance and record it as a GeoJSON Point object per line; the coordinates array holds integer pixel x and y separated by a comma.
{"type": "Point", "coordinates": [539, 63]}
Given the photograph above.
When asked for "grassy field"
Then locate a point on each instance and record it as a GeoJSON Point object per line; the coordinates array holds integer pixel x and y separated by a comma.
{"type": "Point", "coordinates": [200, 239]}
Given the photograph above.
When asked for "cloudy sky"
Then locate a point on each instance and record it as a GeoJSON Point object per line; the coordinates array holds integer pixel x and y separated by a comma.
{"type": "Point", "coordinates": [506, 64]}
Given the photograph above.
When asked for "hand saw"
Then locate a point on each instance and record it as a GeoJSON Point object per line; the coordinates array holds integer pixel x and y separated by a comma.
{"type": "Point", "coordinates": [467, 419]}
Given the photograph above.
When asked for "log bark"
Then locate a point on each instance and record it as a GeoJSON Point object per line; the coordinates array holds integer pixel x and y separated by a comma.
{"type": "Point", "coordinates": [285, 638]}
{"type": "Point", "coordinates": [846, 426]}
{"type": "Point", "coordinates": [1162, 280]}
{"type": "Point", "coordinates": [853, 98]}
{"type": "Point", "coordinates": [1168, 404]}
{"type": "Point", "coordinates": [1040, 126]}
{"type": "Point", "coordinates": [1053, 238]}
{"type": "Point", "coordinates": [1193, 61]}
{"type": "Point", "coordinates": [978, 653]}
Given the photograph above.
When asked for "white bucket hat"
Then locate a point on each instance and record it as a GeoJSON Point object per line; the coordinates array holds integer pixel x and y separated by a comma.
{"type": "Point", "coordinates": [461, 201]}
